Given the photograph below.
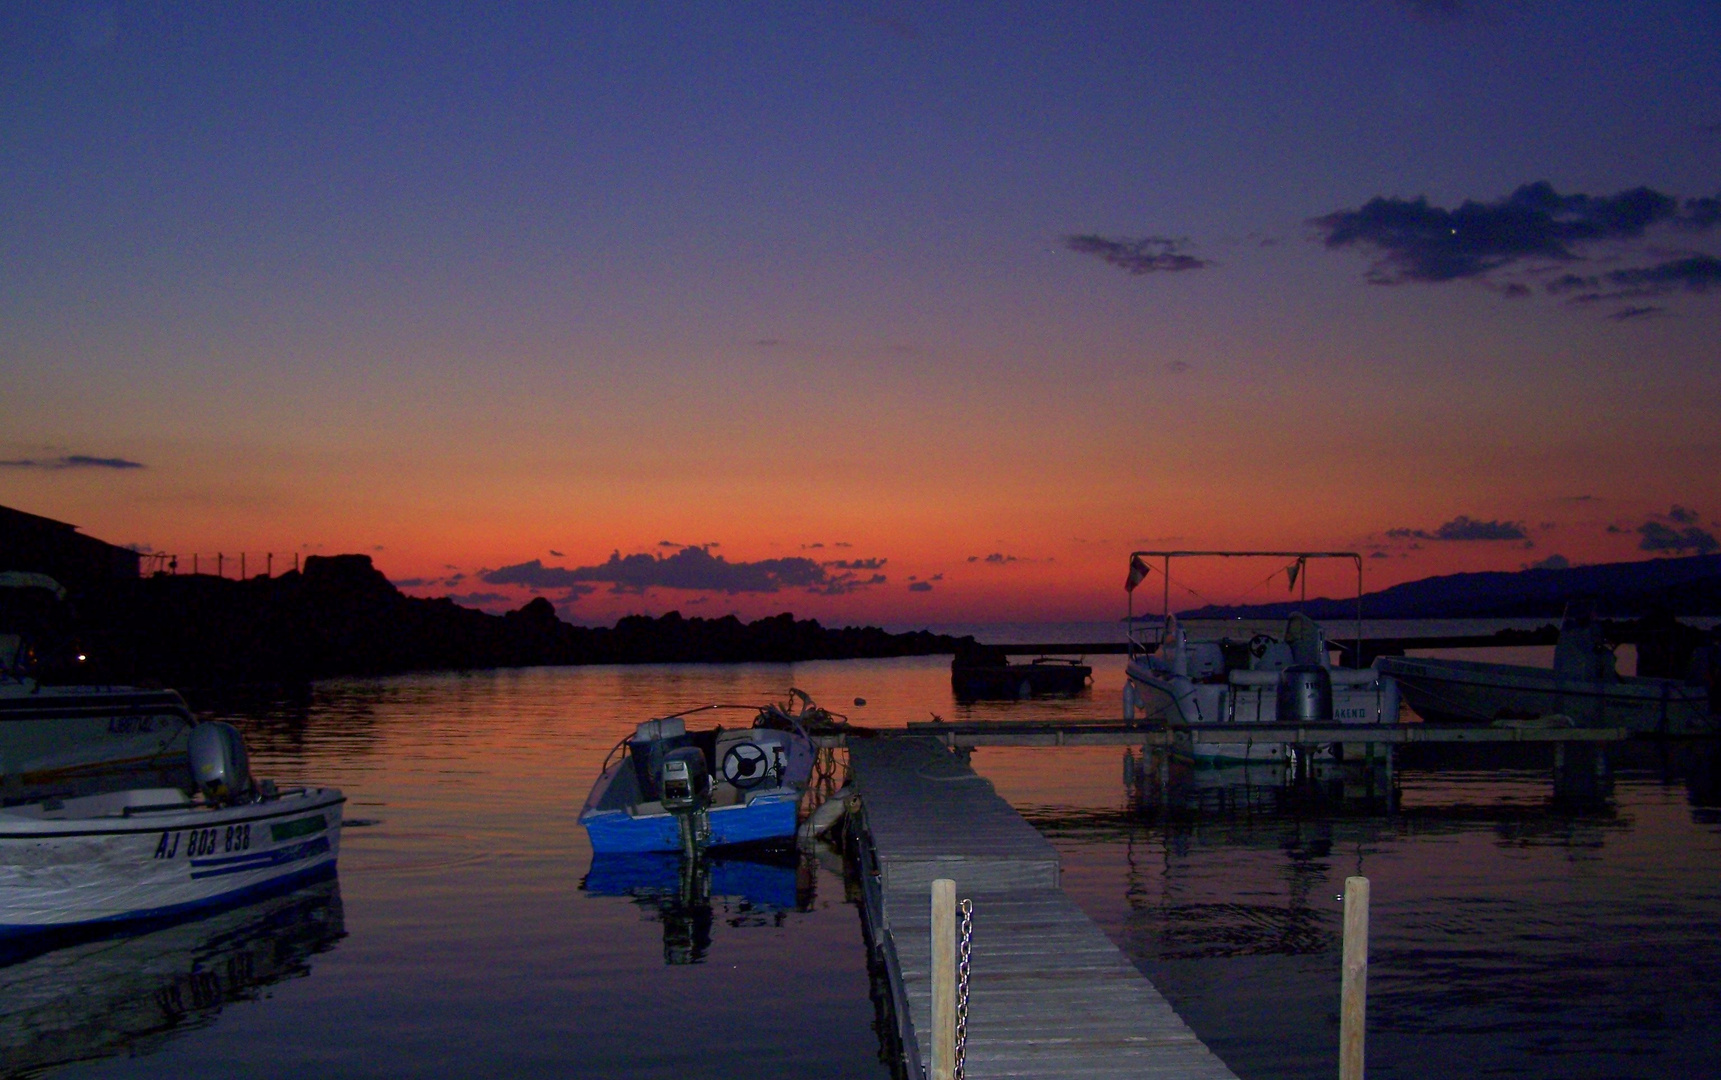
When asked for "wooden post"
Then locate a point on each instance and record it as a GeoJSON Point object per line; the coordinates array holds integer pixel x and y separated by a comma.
{"type": "Point", "coordinates": [1353, 991]}
{"type": "Point", "coordinates": [943, 979]}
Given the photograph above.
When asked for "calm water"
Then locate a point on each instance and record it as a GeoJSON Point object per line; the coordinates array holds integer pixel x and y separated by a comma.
{"type": "Point", "coordinates": [464, 938]}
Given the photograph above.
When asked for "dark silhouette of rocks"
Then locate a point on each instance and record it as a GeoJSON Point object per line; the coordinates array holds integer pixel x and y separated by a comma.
{"type": "Point", "coordinates": [341, 616]}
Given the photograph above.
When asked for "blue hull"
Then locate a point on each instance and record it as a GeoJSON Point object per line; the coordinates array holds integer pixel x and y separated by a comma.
{"type": "Point", "coordinates": [767, 818]}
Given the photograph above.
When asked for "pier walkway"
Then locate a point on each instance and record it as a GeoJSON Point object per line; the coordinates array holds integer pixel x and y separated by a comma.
{"type": "Point", "coordinates": [1050, 995]}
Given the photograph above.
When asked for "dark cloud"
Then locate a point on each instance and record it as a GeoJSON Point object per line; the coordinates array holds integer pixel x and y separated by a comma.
{"type": "Point", "coordinates": [920, 586]}
{"type": "Point", "coordinates": [858, 564]}
{"type": "Point", "coordinates": [1143, 255]}
{"type": "Point", "coordinates": [1626, 314]}
{"type": "Point", "coordinates": [1465, 528]}
{"type": "Point", "coordinates": [1379, 555]}
{"type": "Point", "coordinates": [557, 554]}
{"type": "Point", "coordinates": [413, 582]}
{"type": "Point", "coordinates": [843, 584]}
{"type": "Point", "coordinates": [1683, 516]}
{"type": "Point", "coordinates": [691, 568]}
{"type": "Point", "coordinates": [1417, 242]}
{"type": "Point", "coordinates": [997, 558]}
{"type": "Point", "coordinates": [1693, 273]}
{"type": "Point", "coordinates": [72, 461]}
{"type": "Point", "coordinates": [1654, 536]}
{"type": "Point", "coordinates": [1702, 214]}
{"type": "Point", "coordinates": [1177, 367]}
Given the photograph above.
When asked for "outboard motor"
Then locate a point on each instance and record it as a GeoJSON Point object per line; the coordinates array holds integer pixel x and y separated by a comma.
{"type": "Point", "coordinates": [220, 768]}
{"type": "Point", "coordinates": [1305, 695]}
{"type": "Point", "coordinates": [685, 782]}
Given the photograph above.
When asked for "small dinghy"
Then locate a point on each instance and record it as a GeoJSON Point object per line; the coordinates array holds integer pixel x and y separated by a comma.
{"type": "Point", "coordinates": [155, 853]}
{"type": "Point", "coordinates": [665, 788]}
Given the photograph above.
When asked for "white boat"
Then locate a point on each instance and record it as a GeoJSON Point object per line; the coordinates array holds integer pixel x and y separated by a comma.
{"type": "Point", "coordinates": [54, 735]}
{"type": "Point", "coordinates": [1171, 679]}
{"type": "Point", "coordinates": [1582, 687]}
{"type": "Point", "coordinates": [151, 853]}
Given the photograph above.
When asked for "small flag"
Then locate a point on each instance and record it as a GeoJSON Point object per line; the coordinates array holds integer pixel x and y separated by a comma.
{"type": "Point", "coordinates": [1137, 571]}
{"type": "Point", "coordinates": [1292, 571]}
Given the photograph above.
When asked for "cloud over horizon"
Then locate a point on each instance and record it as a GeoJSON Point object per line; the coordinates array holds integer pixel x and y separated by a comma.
{"type": "Point", "coordinates": [1535, 227]}
{"type": "Point", "coordinates": [72, 461]}
{"type": "Point", "coordinates": [1464, 527]}
{"type": "Point", "coordinates": [692, 569]}
{"type": "Point", "coordinates": [1141, 255]}
{"type": "Point", "coordinates": [1655, 536]}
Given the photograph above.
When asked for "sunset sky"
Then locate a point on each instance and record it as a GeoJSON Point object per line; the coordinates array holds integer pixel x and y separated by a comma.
{"type": "Point", "coordinates": [898, 312]}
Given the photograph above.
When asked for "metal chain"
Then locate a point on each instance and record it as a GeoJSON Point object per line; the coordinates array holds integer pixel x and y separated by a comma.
{"type": "Point", "coordinates": [964, 948]}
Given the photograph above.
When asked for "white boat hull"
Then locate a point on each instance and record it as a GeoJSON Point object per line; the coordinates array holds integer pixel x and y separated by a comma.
{"type": "Point", "coordinates": [1465, 690]}
{"type": "Point", "coordinates": [145, 862]}
{"type": "Point", "coordinates": [1161, 698]}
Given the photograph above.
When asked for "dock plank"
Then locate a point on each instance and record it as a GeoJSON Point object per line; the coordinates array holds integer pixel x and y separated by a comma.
{"type": "Point", "coordinates": [1050, 995]}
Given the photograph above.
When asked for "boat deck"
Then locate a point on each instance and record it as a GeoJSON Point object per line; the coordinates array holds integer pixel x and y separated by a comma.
{"type": "Point", "coordinates": [1051, 996]}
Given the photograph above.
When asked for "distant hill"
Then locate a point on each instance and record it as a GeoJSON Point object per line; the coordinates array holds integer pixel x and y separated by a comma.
{"type": "Point", "coordinates": [1688, 586]}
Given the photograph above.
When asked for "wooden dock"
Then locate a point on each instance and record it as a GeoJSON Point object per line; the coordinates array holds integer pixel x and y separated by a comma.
{"type": "Point", "coordinates": [1051, 996]}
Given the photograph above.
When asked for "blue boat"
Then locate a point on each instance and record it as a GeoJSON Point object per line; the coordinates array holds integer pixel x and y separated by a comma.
{"type": "Point", "coordinates": [731, 786]}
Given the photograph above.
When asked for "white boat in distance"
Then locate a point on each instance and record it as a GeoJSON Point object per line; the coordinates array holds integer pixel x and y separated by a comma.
{"type": "Point", "coordinates": [1582, 686]}
{"type": "Point", "coordinates": [153, 853]}
{"type": "Point", "coordinates": [1173, 680]}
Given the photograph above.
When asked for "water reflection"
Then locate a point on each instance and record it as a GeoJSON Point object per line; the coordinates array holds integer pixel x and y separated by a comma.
{"type": "Point", "coordinates": [687, 895]}
{"type": "Point", "coordinates": [124, 996]}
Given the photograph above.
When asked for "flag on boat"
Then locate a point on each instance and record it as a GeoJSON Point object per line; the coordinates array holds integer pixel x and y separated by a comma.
{"type": "Point", "coordinates": [1291, 573]}
{"type": "Point", "coordinates": [1137, 572]}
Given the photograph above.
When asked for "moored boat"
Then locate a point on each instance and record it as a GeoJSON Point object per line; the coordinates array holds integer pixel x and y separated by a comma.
{"type": "Point", "coordinates": [984, 672]}
{"type": "Point", "coordinates": [51, 736]}
{"type": "Point", "coordinates": [666, 788]}
{"type": "Point", "coordinates": [160, 852]}
{"type": "Point", "coordinates": [1582, 686]}
{"type": "Point", "coordinates": [1173, 680]}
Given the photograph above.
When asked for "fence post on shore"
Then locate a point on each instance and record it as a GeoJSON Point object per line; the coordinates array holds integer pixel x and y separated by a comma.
{"type": "Point", "coordinates": [1353, 990]}
{"type": "Point", "coordinates": [943, 979]}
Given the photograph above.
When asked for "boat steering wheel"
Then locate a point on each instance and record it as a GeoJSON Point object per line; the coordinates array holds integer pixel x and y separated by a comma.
{"type": "Point", "coordinates": [745, 765]}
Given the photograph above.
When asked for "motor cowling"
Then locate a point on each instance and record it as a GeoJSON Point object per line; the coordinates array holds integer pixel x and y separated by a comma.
{"type": "Point", "coordinates": [685, 780]}
{"type": "Point", "coordinates": [1305, 695]}
{"type": "Point", "coordinates": [220, 767]}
